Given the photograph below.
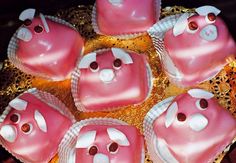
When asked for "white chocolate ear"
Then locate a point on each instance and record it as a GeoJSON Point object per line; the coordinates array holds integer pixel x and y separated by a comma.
{"type": "Point", "coordinates": [44, 21]}
{"type": "Point", "coordinates": [197, 122]}
{"type": "Point", "coordinates": [87, 59]}
{"type": "Point", "coordinates": [40, 120]}
{"type": "Point", "coordinates": [181, 24]}
{"type": "Point", "coordinates": [86, 139]}
{"type": "Point", "coordinates": [199, 93]}
{"type": "Point", "coordinates": [24, 34]}
{"type": "Point", "coordinates": [8, 132]}
{"type": "Point", "coordinates": [171, 114]}
{"type": "Point", "coordinates": [27, 14]}
{"type": "Point", "coordinates": [121, 54]}
{"type": "Point", "coordinates": [116, 2]}
{"type": "Point", "coordinates": [18, 104]}
{"type": "Point", "coordinates": [118, 137]}
{"type": "Point", "coordinates": [204, 10]}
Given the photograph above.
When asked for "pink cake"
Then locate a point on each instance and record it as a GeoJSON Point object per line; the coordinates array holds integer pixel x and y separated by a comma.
{"type": "Point", "coordinates": [45, 46]}
{"type": "Point", "coordinates": [196, 46]}
{"type": "Point", "coordinates": [110, 78]}
{"type": "Point", "coordinates": [191, 127]}
{"type": "Point", "coordinates": [102, 141]}
{"type": "Point", "coordinates": [33, 125]}
{"type": "Point", "coordinates": [120, 17]}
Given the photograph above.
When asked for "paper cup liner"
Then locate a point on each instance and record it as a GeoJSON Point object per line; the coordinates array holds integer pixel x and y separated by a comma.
{"type": "Point", "coordinates": [122, 35]}
{"type": "Point", "coordinates": [75, 78]}
{"type": "Point", "coordinates": [13, 46]}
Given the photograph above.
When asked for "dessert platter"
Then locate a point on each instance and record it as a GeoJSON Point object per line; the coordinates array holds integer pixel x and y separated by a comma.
{"type": "Point", "coordinates": [135, 84]}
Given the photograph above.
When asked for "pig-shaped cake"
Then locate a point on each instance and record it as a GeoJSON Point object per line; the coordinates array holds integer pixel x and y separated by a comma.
{"type": "Point", "coordinates": [127, 18]}
{"type": "Point", "coordinates": [193, 47]}
{"type": "Point", "coordinates": [45, 46]}
{"type": "Point", "coordinates": [189, 128]}
{"type": "Point", "coordinates": [110, 78]}
{"type": "Point", "coordinates": [33, 125]}
{"type": "Point", "coordinates": [102, 140]}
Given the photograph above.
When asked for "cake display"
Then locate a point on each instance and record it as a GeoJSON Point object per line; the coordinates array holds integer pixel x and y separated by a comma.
{"type": "Point", "coordinates": [193, 47]}
{"type": "Point", "coordinates": [110, 78]}
{"type": "Point", "coordinates": [191, 127]}
{"type": "Point", "coordinates": [102, 140]}
{"type": "Point", "coordinates": [45, 46]}
{"type": "Point", "coordinates": [33, 125]}
{"type": "Point", "coordinates": [125, 17]}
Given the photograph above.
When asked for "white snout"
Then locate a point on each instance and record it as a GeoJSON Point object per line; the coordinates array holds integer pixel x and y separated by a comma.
{"type": "Point", "coordinates": [116, 2]}
{"type": "Point", "coordinates": [24, 34]}
{"type": "Point", "coordinates": [106, 75]}
{"type": "Point", "coordinates": [198, 122]}
{"type": "Point", "coordinates": [100, 158]}
{"type": "Point", "coordinates": [209, 33]}
{"type": "Point", "coordinates": [8, 132]}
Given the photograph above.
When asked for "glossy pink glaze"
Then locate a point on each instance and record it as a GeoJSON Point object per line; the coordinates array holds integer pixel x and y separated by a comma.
{"type": "Point", "coordinates": [52, 54]}
{"type": "Point", "coordinates": [129, 86]}
{"type": "Point", "coordinates": [132, 16]}
{"type": "Point", "coordinates": [36, 146]}
{"type": "Point", "coordinates": [125, 154]}
{"type": "Point", "coordinates": [196, 58]}
{"type": "Point", "coordinates": [187, 145]}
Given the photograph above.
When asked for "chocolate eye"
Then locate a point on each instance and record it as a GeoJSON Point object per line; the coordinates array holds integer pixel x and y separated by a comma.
{"type": "Point", "coordinates": [117, 63]}
{"type": "Point", "coordinates": [211, 17]}
{"type": "Point", "coordinates": [113, 147]}
{"type": "Point", "coordinates": [38, 29]}
{"type": "Point", "coordinates": [93, 150]}
{"type": "Point", "coordinates": [15, 118]}
{"type": "Point", "coordinates": [27, 22]}
{"type": "Point", "coordinates": [203, 103]}
{"type": "Point", "coordinates": [181, 117]}
{"type": "Point", "coordinates": [26, 128]}
{"type": "Point", "coordinates": [192, 26]}
{"type": "Point", "coordinates": [94, 66]}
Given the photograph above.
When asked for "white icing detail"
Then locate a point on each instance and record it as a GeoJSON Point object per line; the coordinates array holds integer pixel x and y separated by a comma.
{"type": "Point", "coordinates": [198, 105]}
{"type": "Point", "coordinates": [18, 104]}
{"type": "Point", "coordinates": [116, 2]}
{"type": "Point", "coordinates": [197, 122]}
{"type": "Point", "coordinates": [44, 21]}
{"type": "Point", "coordinates": [32, 90]}
{"type": "Point", "coordinates": [87, 59]}
{"type": "Point", "coordinates": [27, 14]}
{"type": "Point", "coordinates": [204, 10]}
{"type": "Point", "coordinates": [209, 33]}
{"type": "Point", "coordinates": [180, 25]}
{"type": "Point", "coordinates": [9, 133]}
{"type": "Point", "coordinates": [24, 34]}
{"type": "Point", "coordinates": [199, 93]}
{"type": "Point", "coordinates": [86, 139]}
{"type": "Point", "coordinates": [164, 152]}
{"type": "Point", "coordinates": [118, 137]}
{"type": "Point", "coordinates": [40, 120]}
{"type": "Point", "coordinates": [100, 158]}
{"type": "Point", "coordinates": [171, 114]}
{"type": "Point", "coordinates": [106, 75]}
{"type": "Point", "coordinates": [121, 54]}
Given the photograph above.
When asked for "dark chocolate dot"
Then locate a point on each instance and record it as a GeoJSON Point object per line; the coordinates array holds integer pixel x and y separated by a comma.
{"type": "Point", "coordinates": [192, 25]}
{"type": "Point", "coordinates": [113, 147]}
{"type": "Point", "coordinates": [14, 118]}
{"type": "Point", "coordinates": [117, 63]}
{"type": "Point", "coordinates": [25, 127]}
{"type": "Point", "coordinates": [27, 22]}
{"type": "Point", "coordinates": [93, 150]}
{"type": "Point", "coordinates": [94, 65]}
{"type": "Point", "coordinates": [211, 16]}
{"type": "Point", "coordinates": [38, 29]}
{"type": "Point", "coordinates": [181, 117]}
{"type": "Point", "coordinates": [203, 103]}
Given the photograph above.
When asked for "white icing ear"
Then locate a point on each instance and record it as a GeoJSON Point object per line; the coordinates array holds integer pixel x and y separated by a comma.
{"type": "Point", "coordinates": [181, 24]}
{"type": "Point", "coordinates": [44, 21]}
{"type": "Point", "coordinates": [40, 120]}
{"type": "Point", "coordinates": [86, 139]}
{"type": "Point", "coordinates": [24, 34]}
{"type": "Point", "coordinates": [116, 2]}
{"type": "Point", "coordinates": [87, 59]}
{"type": "Point", "coordinates": [8, 132]}
{"type": "Point", "coordinates": [100, 158]}
{"type": "Point", "coordinates": [118, 137]}
{"type": "Point", "coordinates": [27, 14]}
{"type": "Point", "coordinates": [171, 114]}
{"type": "Point", "coordinates": [204, 10]}
{"type": "Point", "coordinates": [18, 104]}
{"type": "Point", "coordinates": [121, 54]}
{"type": "Point", "coordinates": [198, 122]}
{"type": "Point", "coordinates": [199, 93]}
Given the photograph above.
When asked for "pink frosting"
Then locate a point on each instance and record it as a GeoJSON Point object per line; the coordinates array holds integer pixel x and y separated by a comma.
{"type": "Point", "coordinates": [52, 54]}
{"type": "Point", "coordinates": [130, 147]}
{"type": "Point", "coordinates": [196, 58]}
{"type": "Point", "coordinates": [129, 16]}
{"type": "Point", "coordinates": [190, 145]}
{"type": "Point", "coordinates": [37, 145]}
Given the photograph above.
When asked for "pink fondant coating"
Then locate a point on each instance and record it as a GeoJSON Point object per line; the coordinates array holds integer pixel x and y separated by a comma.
{"type": "Point", "coordinates": [52, 54]}
{"type": "Point", "coordinates": [125, 154]}
{"type": "Point", "coordinates": [187, 145]}
{"type": "Point", "coordinates": [196, 58]}
{"type": "Point", "coordinates": [131, 16]}
{"type": "Point", "coordinates": [37, 146]}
